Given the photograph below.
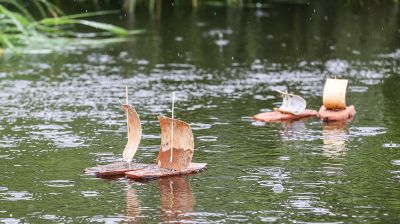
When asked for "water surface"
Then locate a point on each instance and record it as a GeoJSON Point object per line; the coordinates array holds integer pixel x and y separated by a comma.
{"type": "Point", "coordinates": [60, 113]}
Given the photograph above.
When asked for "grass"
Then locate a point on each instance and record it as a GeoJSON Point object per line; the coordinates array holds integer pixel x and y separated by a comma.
{"type": "Point", "coordinates": [20, 31]}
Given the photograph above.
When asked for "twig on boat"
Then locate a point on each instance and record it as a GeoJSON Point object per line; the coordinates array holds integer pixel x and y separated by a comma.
{"type": "Point", "coordinates": [127, 118]}
{"type": "Point", "coordinates": [126, 94]}
{"type": "Point", "coordinates": [172, 124]}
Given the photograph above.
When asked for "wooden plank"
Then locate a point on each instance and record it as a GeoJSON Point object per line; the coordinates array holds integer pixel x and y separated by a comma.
{"type": "Point", "coordinates": [276, 116]}
{"type": "Point", "coordinates": [153, 171]}
{"type": "Point", "coordinates": [114, 169]}
{"type": "Point", "coordinates": [336, 115]}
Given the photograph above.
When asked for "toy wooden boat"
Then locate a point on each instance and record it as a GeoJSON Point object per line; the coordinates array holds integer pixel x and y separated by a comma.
{"type": "Point", "coordinates": [134, 136]}
{"type": "Point", "coordinates": [174, 158]}
{"type": "Point", "coordinates": [293, 108]}
{"type": "Point", "coordinates": [334, 101]}
{"type": "Point", "coordinates": [176, 152]}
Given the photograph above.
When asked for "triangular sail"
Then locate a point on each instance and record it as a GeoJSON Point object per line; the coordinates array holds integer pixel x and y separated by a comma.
{"type": "Point", "coordinates": [182, 144]}
{"type": "Point", "coordinates": [292, 104]}
{"type": "Point", "coordinates": [134, 132]}
{"type": "Point", "coordinates": [334, 97]}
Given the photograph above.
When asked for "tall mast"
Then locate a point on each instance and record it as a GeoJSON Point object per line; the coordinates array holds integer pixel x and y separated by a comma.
{"type": "Point", "coordinates": [172, 124]}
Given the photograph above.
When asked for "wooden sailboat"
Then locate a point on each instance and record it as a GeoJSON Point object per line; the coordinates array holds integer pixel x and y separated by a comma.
{"type": "Point", "coordinates": [134, 136]}
{"type": "Point", "coordinates": [176, 151]}
{"type": "Point", "coordinates": [175, 156]}
{"type": "Point", "coordinates": [334, 101]}
{"type": "Point", "coordinates": [293, 107]}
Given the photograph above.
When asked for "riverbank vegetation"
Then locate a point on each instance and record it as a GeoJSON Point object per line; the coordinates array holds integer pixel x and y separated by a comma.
{"type": "Point", "coordinates": [49, 28]}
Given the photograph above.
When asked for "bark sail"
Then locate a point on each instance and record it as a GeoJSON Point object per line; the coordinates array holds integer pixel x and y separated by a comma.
{"type": "Point", "coordinates": [134, 132]}
{"type": "Point", "coordinates": [180, 146]}
{"type": "Point", "coordinates": [334, 97]}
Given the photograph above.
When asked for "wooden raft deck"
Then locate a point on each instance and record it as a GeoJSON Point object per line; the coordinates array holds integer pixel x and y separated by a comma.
{"type": "Point", "coordinates": [153, 171]}
{"type": "Point", "coordinates": [275, 116]}
{"type": "Point", "coordinates": [141, 171]}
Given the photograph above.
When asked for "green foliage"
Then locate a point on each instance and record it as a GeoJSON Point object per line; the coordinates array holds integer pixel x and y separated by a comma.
{"type": "Point", "coordinates": [19, 29]}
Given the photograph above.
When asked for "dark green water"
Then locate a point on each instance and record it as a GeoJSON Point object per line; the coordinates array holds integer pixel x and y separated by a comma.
{"type": "Point", "coordinates": [60, 113]}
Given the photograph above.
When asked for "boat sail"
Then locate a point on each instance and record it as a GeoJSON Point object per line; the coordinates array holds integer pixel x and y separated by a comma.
{"type": "Point", "coordinates": [174, 158]}
{"type": "Point", "coordinates": [134, 132]}
{"type": "Point", "coordinates": [177, 144]}
{"type": "Point", "coordinates": [334, 97]}
{"type": "Point", "coordinates": [292, 104]}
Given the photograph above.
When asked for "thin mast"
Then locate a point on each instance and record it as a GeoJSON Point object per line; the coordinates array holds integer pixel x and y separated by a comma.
{"type": "Point", "coordinates": [172, 124]}
{"type": "Point", "coordinates": [126, 94]}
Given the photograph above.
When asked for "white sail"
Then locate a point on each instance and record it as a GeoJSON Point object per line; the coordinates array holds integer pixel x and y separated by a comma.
{"type": "Point", "coordinates": [335, 94]}
{"type": "Point", "coordinates": [292, 104]}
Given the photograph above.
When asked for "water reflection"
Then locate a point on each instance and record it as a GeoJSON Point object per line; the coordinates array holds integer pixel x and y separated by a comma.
{"type": "Point", "coordinates": [298, 131]}
{"type": "Point", "coordinates": [334, 137]}
{"type": "Point", "coordinates": [176, 201]}
{"type": "Point", "coordinates": [132, 205]}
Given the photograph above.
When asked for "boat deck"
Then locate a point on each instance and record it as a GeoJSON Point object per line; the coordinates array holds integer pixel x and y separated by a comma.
{"type": "Point", "coordinates": [141, 171]}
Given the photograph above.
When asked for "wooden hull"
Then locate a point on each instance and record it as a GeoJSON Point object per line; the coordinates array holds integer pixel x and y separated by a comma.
{"type": "Point", "coordinates": [117, 169]}
{"type": "Point", "coordinates": [141, 171]}
{"type": "Point", "coordinates": [336, 115]}
{"type": "Point", "coordinates": [154, 171]}
{"type": "Point", "coordinates": [276, 116]}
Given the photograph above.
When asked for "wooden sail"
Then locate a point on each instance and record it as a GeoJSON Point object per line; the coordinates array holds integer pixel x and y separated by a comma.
{"type": "Point", "coordinates": [334, 97]}
{"type": "Point", "coordinates": [134, 132]}
{"type": "Point", "coordinates": [292, 104]}
{"type": "Point", "coordinates": [175, 153]}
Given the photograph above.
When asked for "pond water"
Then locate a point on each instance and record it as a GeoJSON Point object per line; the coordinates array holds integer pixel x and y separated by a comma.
{"type": "Point", "coordinates": [60, 113]}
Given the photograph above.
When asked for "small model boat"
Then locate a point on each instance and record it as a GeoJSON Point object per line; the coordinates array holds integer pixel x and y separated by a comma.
{"type": "Point", "coordinates": [334, 102]}
{"type": "Point", "coordinates": [134, 136]}
{"type": "Point", "coordinates": [174, 158]}
{"type": "Point", "coordinates": [176, 151]}
{"type": "Point", "coordinates": [293, 108]}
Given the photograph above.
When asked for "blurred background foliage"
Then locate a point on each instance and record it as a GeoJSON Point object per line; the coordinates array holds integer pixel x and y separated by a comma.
{"type": "Point", "coordinates": [40, 25]}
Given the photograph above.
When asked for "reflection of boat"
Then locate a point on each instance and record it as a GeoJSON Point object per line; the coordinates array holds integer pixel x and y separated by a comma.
{"type": "Point", "coordinates": [334, 137]}
{"type": "Point", "coordinates": [334, 101]}
{"type": "Point", "coordinates": [176, 199]}
{"type": "Point", "coordinates": [293, 108]}
{"type": "Point", "coordinates": [174, 158]}
{"type": "Point", "coordinates": [132, 206]}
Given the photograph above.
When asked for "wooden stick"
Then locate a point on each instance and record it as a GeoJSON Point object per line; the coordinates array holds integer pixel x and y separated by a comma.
{"type": "Point", "coordinates": [127, 122]}
{"type": "Point", "coordinates": [172, 124]}
{"type": "Point", "coordinates": [126, 94]}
